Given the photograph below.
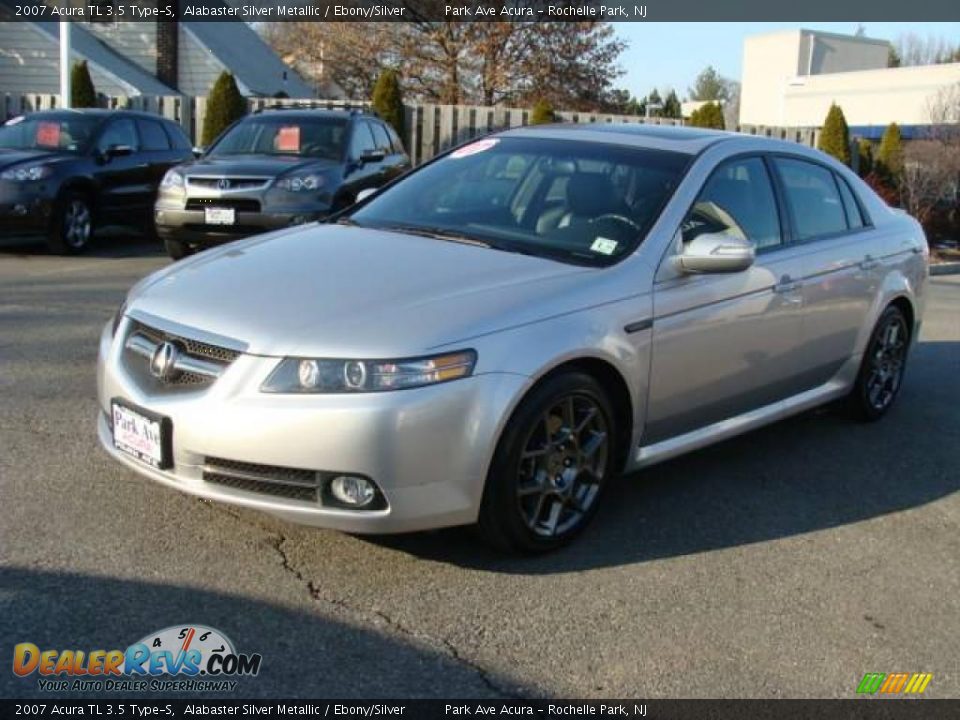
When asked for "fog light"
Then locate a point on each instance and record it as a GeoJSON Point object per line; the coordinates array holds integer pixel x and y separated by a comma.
{"type": "Point", "coordinates": [299, 220]}
{"type": "Point", "coordinates": [19, 209]}
{"type": "Point", "coordinates": [352, 490]}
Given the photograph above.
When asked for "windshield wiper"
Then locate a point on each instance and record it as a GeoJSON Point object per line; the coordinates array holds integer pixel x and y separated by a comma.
{"type": "Point", "coordinates": [437, 233]}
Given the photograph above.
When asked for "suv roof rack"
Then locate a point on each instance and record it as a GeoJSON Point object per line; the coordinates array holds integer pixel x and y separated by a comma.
{"type": "Point", "coordinates": [310, 106]}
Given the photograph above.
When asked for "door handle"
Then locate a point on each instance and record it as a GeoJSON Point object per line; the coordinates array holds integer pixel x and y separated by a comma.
{"type": "Point", "coordinates": [787, 285]}
{"type": "Point", "coordinates": [869, 263]}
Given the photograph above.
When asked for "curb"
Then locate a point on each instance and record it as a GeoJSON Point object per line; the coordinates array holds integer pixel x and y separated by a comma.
{"type": "Point", "coordinates": [947, 268]}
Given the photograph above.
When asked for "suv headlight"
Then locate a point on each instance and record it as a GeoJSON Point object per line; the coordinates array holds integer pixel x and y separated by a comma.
{"type": "Point", "coordinates": [172, 179]}
{"type": "Point", "coordinates": [314, 375]}
{"type": "Point", "coordinates": [27, 174]}
{"type": "Point", "coordinates": [300, 183]}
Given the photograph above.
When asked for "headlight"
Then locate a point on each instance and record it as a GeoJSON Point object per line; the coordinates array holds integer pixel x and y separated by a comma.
{"type": "Point", "coordinates": [300, 183]}
{"type": "Point", "coordinates": [172, 179]}
{"type": "Point", "coordinates": [314, 375]}
{"type": "Point", "coordinates": [27, 174]}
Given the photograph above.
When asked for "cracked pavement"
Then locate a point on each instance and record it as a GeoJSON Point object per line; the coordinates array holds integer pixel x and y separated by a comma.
{"type": "Point", "coordinates": [785, 563]}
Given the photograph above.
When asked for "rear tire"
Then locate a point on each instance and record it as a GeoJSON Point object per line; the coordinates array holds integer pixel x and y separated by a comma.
{"type": "Point", "coordinates": [177, 249]}
{"type": "Point", "coordinates": [72, 226]}
{"type": "Point", "coordinates": [553, 461]}
{"type": "Point", "coordinates": [881, 371]}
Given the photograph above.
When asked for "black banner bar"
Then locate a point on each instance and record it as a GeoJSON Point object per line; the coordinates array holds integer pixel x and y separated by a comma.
{"type": "Point", "coordinates": [477, 11]}
{"type": "Point", "coordinates": [861, 709]}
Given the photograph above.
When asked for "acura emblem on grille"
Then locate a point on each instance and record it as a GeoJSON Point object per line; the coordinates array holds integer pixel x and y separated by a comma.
{"type": "Point", "coordinates": [164, 360]}
{"type": "Point", "coordinates": [224, 184]}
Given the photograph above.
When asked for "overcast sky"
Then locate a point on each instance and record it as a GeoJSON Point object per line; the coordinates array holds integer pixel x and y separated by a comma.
{"type": "Point", "coordinates": [672, 54]}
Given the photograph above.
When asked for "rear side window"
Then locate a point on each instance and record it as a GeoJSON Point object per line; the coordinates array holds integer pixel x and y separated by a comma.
{"type": "Point", "coordinates": [178, 138]}
{"type": "Point", "coordinates": [152, 135]}
{"type": "Point", "coordinates": [738, 200]}
{"type": "Point", "coordinates": [813, 198]}
{"type": "Point", "coordinates": [850, 206]}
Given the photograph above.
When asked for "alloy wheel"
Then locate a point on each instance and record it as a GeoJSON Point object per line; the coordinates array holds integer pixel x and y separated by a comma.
{"type": "Point", "coordinates": [77, 223]}
{"type": "Point", "coordinates": [562, 465]}
{"type": "Point", "coordinates": [887, 358]}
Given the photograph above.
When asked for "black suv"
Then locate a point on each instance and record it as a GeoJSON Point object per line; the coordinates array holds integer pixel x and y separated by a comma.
{"type": "Point", "coordinates": [64, 172]}
{"type": "Point", "coordinates": [272, 169]}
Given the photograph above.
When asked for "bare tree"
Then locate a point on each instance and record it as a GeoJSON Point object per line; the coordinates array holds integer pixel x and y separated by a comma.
{"type": "Point", "coordinates": [912, 49]}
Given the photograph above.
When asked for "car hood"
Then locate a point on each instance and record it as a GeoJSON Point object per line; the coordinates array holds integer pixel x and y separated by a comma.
{"type": "Point", "coordinates": [267, 165]}
{"type": "Point", "coordinates": [337, 291]}
{"type": "Point", "coordinates": [10, 158]}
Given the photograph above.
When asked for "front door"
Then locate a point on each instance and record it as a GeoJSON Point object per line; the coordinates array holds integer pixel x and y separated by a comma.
{"type": "Point", "coordinates": [125, 183]}
{"type": "Point", "coordinates": [724, 344]}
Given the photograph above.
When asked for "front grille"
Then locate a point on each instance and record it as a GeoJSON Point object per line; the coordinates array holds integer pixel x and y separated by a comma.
{"type": "Point", "coordinates": [277, 480]}
{"type": "Point", "coordinates": [231, 183]}
{"type": "Point", "coordinates": [238, 204]}
{"type": "Point", "coordinates": [197, 363]}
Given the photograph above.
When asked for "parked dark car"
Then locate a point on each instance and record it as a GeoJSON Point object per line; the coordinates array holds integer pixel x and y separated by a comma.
{"type": "Point", "coordinates": [63, 173]}
{"type": "Point", "coordinates": [277, 167]}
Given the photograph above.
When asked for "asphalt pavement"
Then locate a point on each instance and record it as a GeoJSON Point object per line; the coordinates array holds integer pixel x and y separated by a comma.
{"type": "Point", "coordinates": [784, 563]}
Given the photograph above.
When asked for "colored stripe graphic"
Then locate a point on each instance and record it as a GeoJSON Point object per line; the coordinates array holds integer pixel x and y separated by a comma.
{"type": "Point", "coordinates": [918, 683]}
{"type": "Point", "coordinates": [871, 683]}
{"type": "Point", "coordinates": [894, 683]}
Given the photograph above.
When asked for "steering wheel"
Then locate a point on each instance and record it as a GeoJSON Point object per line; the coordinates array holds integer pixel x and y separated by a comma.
{"type": "Point", "coordinates": [616, 216]}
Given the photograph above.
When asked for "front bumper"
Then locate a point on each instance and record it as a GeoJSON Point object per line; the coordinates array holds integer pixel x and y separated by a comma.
{"type": "Point", "coordinates": [427, 449]}
{"type": "Point", "coordinates": [25, 214]}
{"type": "Point", "coordinates": [190, 226]}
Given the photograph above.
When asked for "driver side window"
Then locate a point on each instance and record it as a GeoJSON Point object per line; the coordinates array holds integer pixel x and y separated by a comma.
{"type": "Point", "coordinates": [737, 200]}
{"type": "Point", "coordinates": [119, 132]}
{"type": "Point", "coordinates": [361, 141]}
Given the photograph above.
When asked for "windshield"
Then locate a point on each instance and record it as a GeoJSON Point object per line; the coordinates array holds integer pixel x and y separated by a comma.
{"type": "Point", "coordinates": [582, 202]}
{"type": "Point", "coordinates": [320, 137]}
{"type": "Point", "coordinates": [60, 133]}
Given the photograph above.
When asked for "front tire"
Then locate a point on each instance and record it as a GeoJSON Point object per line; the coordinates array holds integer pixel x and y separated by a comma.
{"type": "Point", "coordinates": [177, 249]}
{"type": "Point", "coordinates": [881, 371]}
{"type": "Point", "coordinates": [72, 227]}
{"type": "Point", "coordinates": [551, 466]}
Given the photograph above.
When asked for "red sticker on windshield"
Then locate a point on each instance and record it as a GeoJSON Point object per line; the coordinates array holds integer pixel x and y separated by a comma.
{"type": "Point", "coordinates": [474, 148]}
{"type": "Point", "coordinates": [48, 134]}
{"type": "Point", "coordinates": [288, 139]}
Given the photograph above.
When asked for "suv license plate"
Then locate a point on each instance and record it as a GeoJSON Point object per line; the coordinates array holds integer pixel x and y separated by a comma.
{"type": "Point", "coordinates": [220, 216]}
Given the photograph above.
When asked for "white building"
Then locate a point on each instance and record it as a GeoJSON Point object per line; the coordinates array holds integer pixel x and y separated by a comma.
{"type": "Point", "coordinates": [790, 79]}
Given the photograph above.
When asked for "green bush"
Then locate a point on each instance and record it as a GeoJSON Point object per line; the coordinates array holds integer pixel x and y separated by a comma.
{"type": "Point", "coordinates": [542, 112]}
{"type": "Point", "coordinates": [864, 157]}
{"type": "Point", "coordinates": [708, 116]}
{"type": "Point", "coordinates": [225, 105]}
{"type": "Point", "coordinates": [889, 160]}
{"type": "Point", "coordinates": [82, 92]}
{"type": "Point", "coordinates": [835, 137]}
{"type": "Point", "coordinates": [388, 100]}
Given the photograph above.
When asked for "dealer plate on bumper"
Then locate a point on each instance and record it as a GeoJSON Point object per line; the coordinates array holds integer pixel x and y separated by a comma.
{"type": "Point", "coordinates": [143, 435]}
{"type": "Point", "coordinates": [219, 216]}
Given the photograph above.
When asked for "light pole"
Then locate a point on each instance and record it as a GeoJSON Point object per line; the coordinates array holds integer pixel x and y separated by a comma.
{"type": "Point", "coordinates": [64, 63]}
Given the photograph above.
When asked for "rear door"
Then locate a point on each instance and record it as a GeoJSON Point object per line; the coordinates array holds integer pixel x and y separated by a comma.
{"type": "Point", "coordinates": [157, 150]}
{"type": "Point", "coordinates": [725, 344]}
{"type": "Point", "coordinates": [842, 275]}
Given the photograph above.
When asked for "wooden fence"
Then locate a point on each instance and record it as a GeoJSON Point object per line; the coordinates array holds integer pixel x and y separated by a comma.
{"type": "Point", "coordinates": [430, 129]}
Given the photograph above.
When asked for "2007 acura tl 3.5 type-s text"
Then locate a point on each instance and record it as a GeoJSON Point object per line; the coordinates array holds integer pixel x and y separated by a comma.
{"type": "Point", "coordinates": [496, 336]}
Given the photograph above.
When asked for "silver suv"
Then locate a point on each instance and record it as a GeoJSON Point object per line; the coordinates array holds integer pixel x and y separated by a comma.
{"type": "Point", "coordinates": [273, 169]}
{"type": "Point", "coordinates": [498, 335]}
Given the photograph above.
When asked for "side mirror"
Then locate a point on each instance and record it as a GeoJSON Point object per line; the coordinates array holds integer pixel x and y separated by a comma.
{"type": "Point", "coordinates": [198, 150]}
{"type": "Point", "coordinates": [371, 156]}
{"type": "Point", "coordinates": [365, 193]}
{"type": "Point", "coordinates": [119, 151]}
{"type": "Point", "coordinates": [715, 253]}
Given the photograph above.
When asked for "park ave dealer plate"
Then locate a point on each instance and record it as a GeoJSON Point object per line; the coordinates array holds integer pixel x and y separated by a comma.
{"type": "Point", "coordinates": [142, 435]}
{"type": "Point", "coordinates": [220, 216]}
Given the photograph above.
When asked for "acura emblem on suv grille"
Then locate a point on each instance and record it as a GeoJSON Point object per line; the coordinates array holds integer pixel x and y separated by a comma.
{"type": "Point", "coordinates": [224, 184]}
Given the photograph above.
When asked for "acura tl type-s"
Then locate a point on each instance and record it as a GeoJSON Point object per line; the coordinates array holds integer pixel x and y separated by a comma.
{"type": "Point", "coordinates": [492, 339]}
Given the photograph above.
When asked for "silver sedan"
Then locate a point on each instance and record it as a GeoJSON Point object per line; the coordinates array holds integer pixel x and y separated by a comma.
{"type": "Point", "coordinates": [496, 336]}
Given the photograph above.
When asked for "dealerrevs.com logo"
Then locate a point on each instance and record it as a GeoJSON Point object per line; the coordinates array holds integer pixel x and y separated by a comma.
{"type": "Point", "coordinates": [179, 658]}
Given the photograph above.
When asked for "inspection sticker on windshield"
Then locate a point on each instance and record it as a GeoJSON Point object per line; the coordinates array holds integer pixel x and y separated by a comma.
{"type": "Point", "coordinates": [604, 245]}
{"type": "Point", "coordinates": [474, 148]}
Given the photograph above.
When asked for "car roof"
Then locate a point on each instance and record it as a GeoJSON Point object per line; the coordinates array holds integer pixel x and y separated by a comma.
{"type": "Point", "coordinates": [97, 112]}
{"type": "Point", "coordinates": [301, 113]}
{"type": "Point", "coordinates": [687, 140]}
